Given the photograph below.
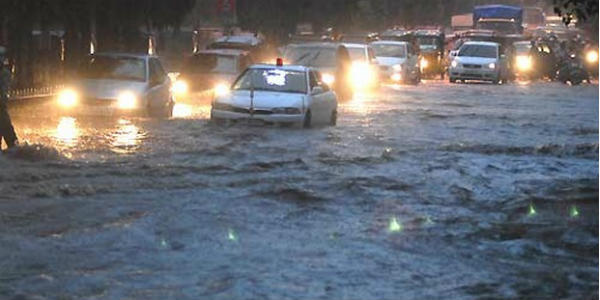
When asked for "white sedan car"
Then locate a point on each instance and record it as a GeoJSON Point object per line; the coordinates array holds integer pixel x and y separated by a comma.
{"type": "Point", "coordinates": [479, 61]}
{"type": "Point", "coordinates": [269, 94]}
{"type": "Point", "coordinates": [117, 83]}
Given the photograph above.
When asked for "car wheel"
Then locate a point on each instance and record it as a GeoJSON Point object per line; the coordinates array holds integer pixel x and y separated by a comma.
{"type": "Point", "coordinates": [333, 120]}
{"type": "Point", "coordinates": [452, 80]}
{"type": "Point", "coordinates": [307, 120]}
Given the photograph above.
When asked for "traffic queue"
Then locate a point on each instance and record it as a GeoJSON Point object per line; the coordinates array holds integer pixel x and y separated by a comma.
{"type": "Point", "coordinates": [302, 82]}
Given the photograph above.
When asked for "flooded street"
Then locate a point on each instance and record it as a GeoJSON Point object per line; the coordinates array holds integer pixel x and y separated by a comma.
{"type": "Point", "coordinates": [435, 191]}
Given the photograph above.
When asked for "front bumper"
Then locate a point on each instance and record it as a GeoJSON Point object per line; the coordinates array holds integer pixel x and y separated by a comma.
{"type": "Point", "coordinates": [462, 73]}
{"type": "Point", "coordinates": [270, 118]}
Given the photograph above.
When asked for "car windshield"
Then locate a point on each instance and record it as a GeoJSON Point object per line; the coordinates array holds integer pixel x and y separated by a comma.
{"type": "Point", "coordinates": [275, 80]}
{"type": "Point", "coordinates": [357, 53]}
{"type": "Point", "coordinates": [116, 68]}
{"type": "Point", "coordinates": [478, 51]}
{"type": "Point", "coordinates": [522, 48]}
{"type": "Point", "coordinates": [427, 42]}
{"type": "Point", "coordinates": [389, 50]}
{"type": "Point", "coordinates": [311, 56]}
{"type": "Point", "coordinates": [211, 63]}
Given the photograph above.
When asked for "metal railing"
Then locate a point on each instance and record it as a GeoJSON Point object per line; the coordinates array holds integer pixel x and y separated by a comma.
{"type": "Point", "coordinates": [17, 95]}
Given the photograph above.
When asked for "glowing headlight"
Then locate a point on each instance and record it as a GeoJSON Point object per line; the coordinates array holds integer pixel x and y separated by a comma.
{"type": "Point", "coordinates": [524, 62]}
{"type": "Point", "coordinates": [127, 100]}
{"type": "Point", "coordinates": [397, 68]}
{"type": "Point", "coordinates": [492, 66]}
{"type": "Point", "coordinates": [591, 56]}
{"type": "Point", "coordinates": [221, 89]}
{"type": "Point", "coordinates": [180, 87]}
{"type": "Point", "coordinates": [328, 79]}
{"type": "Point", "coordinates": [396, 77]}
{"type": "Point", "coordinates": [67, 98]}
{"type": "Point", "coordinates": [424, 63]}
{"type": "Point", "coordinates": [454, 64]}
{"type": "Point", "coordinates": [361, 74]}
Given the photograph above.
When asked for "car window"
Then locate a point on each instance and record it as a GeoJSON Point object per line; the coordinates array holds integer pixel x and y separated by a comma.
{"type": "Point", "coordinates": [157, 74]}
{"type": "Point", "coordinates": [389, 50]}
{"type": "Point", "coordinates": [272, 79]}
{"type": "Point", "coordinates": [478, 51]}
{"type": "Point", "coordinates": [311, 56]}
{"type": "Point", "coordinates": [210, 62]}
{"type": "Point", "coordinates": [312, 80]}
{"type": "Point", "coordinates": [114, 68]}
{"type": "Point", "coordinates": [357, 54]}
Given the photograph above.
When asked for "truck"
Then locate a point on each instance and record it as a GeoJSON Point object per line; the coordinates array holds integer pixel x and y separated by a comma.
{"type": "Point", "coordinates": [503, 19]}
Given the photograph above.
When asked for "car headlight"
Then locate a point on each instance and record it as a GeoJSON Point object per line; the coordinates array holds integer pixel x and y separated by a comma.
{"type": "Point", "coordinates": [67, 98]}
{"type": "Point", "coordinates": [328, 79]}
{"type": "Point", "coordinates": [362, 75]}
{"type": "Point", "coordinates": [397, 68]}
{"type": "Point", "coordinates": [180, 87]}
{"type": "Point", "coordinates": [524, 63]}
{"type": "Point", "coordinates": [286, 110]}
{"type": "Point", "coordinates": [492, 66]}
{"type": "Point", "coordinates": [591, 56]}
{"type": "Point", "coordinates": [127, 100]}
{"type": "Point", "coordinates": [424, 63]}
{"type": "Point", "coordinates": [396, 77]}
{"type": "Point", "coordinates": [221, 89]}
{"type": "Point", "coordinates": [454, 64]}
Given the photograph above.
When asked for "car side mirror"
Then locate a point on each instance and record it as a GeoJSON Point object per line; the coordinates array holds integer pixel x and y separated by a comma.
{"type": "Point", "coordinates": [317, 90]}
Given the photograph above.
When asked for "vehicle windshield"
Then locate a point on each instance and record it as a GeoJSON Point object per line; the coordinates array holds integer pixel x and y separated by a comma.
{"type": "Point", "coordinates": [522, 48]}
{"type": "Point", "coordinates": [115, 68]}
{"type": "Point", "coordinates": [275, 80]}
{"type": "Point", "coordinates": [357, 53]}
{"type": "Point", "coordinates": [389, 50]}
{"type": "Point", "coordinates": [478, 51]}
{"type": "Point", "coordinates": [311, 56]}
{"type": "Point", "coordinates": [211, 63]}
{"type": "Point", "coordinates": [500, 26]}
{"type": "Point", "coordinates": [427, 42]}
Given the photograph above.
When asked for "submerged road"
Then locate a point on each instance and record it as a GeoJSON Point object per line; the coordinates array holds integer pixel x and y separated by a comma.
{"type": "Point", "coordinates": [432, 192]}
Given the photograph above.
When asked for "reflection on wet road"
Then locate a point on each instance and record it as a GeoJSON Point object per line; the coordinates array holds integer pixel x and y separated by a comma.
{"type": "Point", "coordinates": [435, 191]}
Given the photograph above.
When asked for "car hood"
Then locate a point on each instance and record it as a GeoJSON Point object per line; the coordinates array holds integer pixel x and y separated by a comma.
{"type": "Point", "coordinates": [474, 60]}
{"type": "Point", "coordinates": [390, 61]}
{"type": "Point", "coordinates": [107, 89]}
{"type": "Point", "coordinates": [263, 99]}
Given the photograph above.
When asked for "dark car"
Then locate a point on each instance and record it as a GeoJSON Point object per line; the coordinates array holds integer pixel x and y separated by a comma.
{"type": "Point", "coordinates": [431, 46]}
{"type": "Point", "coordinates": [206, 69]}
{"type": "Point", "coordinates": [330, 59]}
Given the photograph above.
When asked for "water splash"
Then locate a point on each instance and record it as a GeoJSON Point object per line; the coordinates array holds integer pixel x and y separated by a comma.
{"type": "Point", "coordinates": [394, 225]}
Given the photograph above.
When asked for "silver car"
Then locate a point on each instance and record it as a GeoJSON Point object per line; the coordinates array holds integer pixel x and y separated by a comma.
{"type": "Point", "coordinates": [118, 83]}
{"type": "Point", "coordinates": [479, 61]}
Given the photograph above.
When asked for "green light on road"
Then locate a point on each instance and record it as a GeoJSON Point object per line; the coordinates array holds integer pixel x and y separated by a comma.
{"type": "Point", "coordinates": [574, 212]}
{"type": "Point", "coordinates": [394, 226]}
{"type": "Point", "coordinates": [531, 210]}
{"type": "Point", "coordinates": [231, 235]}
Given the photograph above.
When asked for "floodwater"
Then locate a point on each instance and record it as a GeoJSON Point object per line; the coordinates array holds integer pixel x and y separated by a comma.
{"type": "Point", "coordinates": [432, 192]}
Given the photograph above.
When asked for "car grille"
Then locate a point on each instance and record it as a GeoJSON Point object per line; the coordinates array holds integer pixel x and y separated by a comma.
{"type": "Point", "coordinates": [242, 110]}
{"type": "Point", "coordinates": [472, 66]}
{"type": "Point", "coordinates": [98, 102]}
{"type": "Point", "coordinates": [384, 68]}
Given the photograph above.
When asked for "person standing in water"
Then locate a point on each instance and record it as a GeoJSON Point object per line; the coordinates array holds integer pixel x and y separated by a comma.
{"type": "Point", "coordinates": [7, 131]}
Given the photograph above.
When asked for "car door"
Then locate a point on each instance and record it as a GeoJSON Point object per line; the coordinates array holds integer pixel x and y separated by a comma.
{"type": "Point", "coordinates": [159, 85]}
{"type": "Point", "coordinates": [319, 105]}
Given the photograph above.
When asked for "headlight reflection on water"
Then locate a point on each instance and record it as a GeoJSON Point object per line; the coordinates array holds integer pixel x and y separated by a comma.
{"type": "Point", "coordinates": [67, 133]}
{"type": "Point", "coordinates": [127, 137]}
